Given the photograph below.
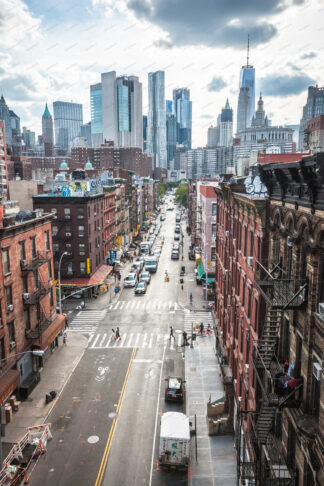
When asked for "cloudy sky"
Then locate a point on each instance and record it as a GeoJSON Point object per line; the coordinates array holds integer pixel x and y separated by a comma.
{"type": "Point", "coordinates": [54, 49]}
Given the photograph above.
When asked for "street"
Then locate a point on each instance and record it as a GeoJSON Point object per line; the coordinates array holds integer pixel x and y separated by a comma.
{"type": "Point", "coordinates": [106, 425]}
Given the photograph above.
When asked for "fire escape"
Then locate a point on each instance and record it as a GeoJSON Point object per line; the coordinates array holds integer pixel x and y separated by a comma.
{"type": "Point", "coordinates": [36, 298]}
{"type": "Point", "coordinates": [261, 460]}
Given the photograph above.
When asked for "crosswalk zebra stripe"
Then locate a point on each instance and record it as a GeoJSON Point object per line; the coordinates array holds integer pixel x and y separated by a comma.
{"type": "Point", "coordinates": [130, 339]}
{"type": "Point", "coordinates": [137, 339]}
{"type": "Point", "coordinates": [123, 339]}
{"type": "Point", "coordinates": [95, 341]}
{"type": "Point", "coordinates": [103, 340]}
{"type": "Point", "coordinates": [108, 342]}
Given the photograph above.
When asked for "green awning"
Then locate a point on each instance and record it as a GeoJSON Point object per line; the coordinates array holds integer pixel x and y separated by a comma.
{"type": "Point", "coordinates": [200, 270]}
{"type": "Point", "coordinates": [210, 280]}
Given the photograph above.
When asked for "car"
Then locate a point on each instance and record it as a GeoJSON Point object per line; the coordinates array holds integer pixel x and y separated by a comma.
{"type": "Point", "coordinates": [157, 252]}
{"type": "Point", "coordinates": [130, 280]}
{"type": "Point", "coordinates": [176, 237]}
{"type": "Point", "coordinates": [140, 259]}
{"type": "Point", "coordinates": [145, 277]}
{"type": "Point", "coordinates": [175, 389]}
{"type": "Point", "coordinates": [176, 246]}
{"type": "Point", "coordinates": [169, 208]}
{"type": "Point", "coordinates": [139, 262]}
{"type": "Point", "coordinates": [141, 288]}
{"type": "Point", "coordinates": [175, 255]}
{"type": "Point", "coordinates": [138, 265]}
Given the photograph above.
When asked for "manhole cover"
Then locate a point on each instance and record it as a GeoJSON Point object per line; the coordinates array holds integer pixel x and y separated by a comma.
{"type": "Point", "coordinates": [93, 439]}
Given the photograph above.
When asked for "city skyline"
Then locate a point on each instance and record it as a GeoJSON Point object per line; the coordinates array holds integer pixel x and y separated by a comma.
{"type": "Point", "coordinates": [65, 66]}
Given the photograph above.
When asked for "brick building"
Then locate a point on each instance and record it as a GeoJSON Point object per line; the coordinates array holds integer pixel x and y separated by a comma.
{"type": "Point", "coordinates": [109, 217]}
{"type": "Point", "coordinates": [286, 443]}
{"type": "Point", "coordinates": [78, 231]}
{"type": "Point", "coordinates": [28, 300]}
{"type": "Point", "coordinates": [315, 134]}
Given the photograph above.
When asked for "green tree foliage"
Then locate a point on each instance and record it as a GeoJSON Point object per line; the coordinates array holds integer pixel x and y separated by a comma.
{"type": "Point", "coordinates": [181, 195]}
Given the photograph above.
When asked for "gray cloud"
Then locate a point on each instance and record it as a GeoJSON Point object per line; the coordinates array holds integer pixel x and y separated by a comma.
{"type": "Point", "coordinates": [285, 85]}
{"type": "Point", "coordinates": [212, 22]}
{"type": "Point", "coordinates": [309, 55]}
{"type": "Point", "coordinates": [216, 84]}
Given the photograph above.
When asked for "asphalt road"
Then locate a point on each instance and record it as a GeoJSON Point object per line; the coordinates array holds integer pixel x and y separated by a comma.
{"type": "Point", "coordinates": [106, 423]}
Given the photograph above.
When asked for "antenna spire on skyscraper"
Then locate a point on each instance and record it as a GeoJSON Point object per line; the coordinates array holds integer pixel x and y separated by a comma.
{"type": "Point", "coordinates": [248, 51]}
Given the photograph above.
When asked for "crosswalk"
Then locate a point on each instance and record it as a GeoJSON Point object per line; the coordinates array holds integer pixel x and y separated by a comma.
{"type": "Point", "coordinates": [86, 321]}
{"type": "Point", "coordinates": [142, 340]}
{"type": "Point", "coordinates": [140, 304]}
{"type": "Point", "coordinates": [193, 318]}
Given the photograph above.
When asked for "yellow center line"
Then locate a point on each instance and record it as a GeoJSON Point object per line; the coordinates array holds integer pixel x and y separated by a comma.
{"type": "Point", "coordinates": [113, 426]}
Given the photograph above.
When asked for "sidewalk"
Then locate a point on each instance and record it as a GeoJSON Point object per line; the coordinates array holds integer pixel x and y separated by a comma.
{"type": "Point", "coordinates": [54, 376]}
{"type": "Point", "coordinates": [216, 459]}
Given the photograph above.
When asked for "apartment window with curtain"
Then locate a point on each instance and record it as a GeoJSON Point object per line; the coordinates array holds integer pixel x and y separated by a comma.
{"type": "Point", "coordinates": [214, 209]}
{"type": "Point", "coordinates": [33, 246]}
{"type": "Point", "coordinates": [214, 230]}
{"type": "Point", "coordinates": [9, 295]}
{"type": "Point", "coordinates": [47, 241]}
{"type": "Point", "coordinates": [22, 250]}
{"type": "Point", "coordinates": [5, 261]}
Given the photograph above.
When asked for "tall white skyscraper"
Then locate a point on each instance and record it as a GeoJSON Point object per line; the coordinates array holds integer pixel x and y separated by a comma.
{"type": "Point", "coordinates": [226, 126]}
{"type": "Point", "coordinates": [247, 80]}
{"type": "Point", "coordinates": [116, 111]}
{"type": "Point", "coordinates": [68, 118]}
{"type": "Point", "coordinates": [243, 110]}
{"type": "Point", "coordinates": [156, 124]}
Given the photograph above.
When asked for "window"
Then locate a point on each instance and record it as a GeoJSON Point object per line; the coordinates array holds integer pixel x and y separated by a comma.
{"type": "Point", "coordinates": [83, 268]}
{"type": "Point", "coordinates": [11, 329]}
{"type": "Point", "coordinates": [47, 241]}
{"type": "Point", "coordinates": [35, 278]}
{"type": "Point", "coordinates": [245, 240]}
{"type": "Point", "coordinates": [213, 253]}
{"type": "Point", "coordinates": [214, 230]}
{"type": "Point", "coordinates": [22, 250]}
{"type": "Point", "coordinates": [52, 297]}
{"type": "Point", "coordinates": [27, 318]}
{"type": "Point", "coordinates": [251, 243]}
{"type": "Point", "coordinates": [49, 267]}
{"type": "Point", "coordinates": [214, 209]}
{"type": "Point", "coordinates": [33, 246]}
{"type": "Point", "coordinates": [9, 295]}
{"type": "Point", "coordinates": [243, 298]}
{"type": "Point", "coordinates": [80, 213]}
{"type": "Point", "coordinates": [250, 303]}
{"type": "Point", "coordinates": [68, 230]}
{"type": "Point", "coordinates": [54, 230]}
{"type": "Point", "coordinates": [81, 230]}
{"type": "Point", "coordinates": [89, 229]}
{"type": "Point", "coordinates": [56, 248]}
{"type": "Point", "coordinates": [25, 284]}
{"type": "Point", "coordinates": [81, 249]}
{"type": "Point", "coordinates": [68, 247]}
{"type": "Point", "coordinates": [67, 213]}
{"type": "Point", "coordinates": [5, 261]}
{"type": "Point", "coordinates": [2, 348]}
{"type": "Point", "coordinates": [89, 211]}
{"type": "Point", "coordinates": [69, 267]}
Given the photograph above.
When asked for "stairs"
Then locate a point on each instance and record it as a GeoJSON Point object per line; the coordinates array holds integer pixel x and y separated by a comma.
{"type": "Point", "coordinates": [264, 422]}
{"type": "Point", "coordinates": [267, 344]}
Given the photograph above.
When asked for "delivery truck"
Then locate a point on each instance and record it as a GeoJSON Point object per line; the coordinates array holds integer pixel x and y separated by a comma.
{"type": "Point", "coordinates": [174, 448]}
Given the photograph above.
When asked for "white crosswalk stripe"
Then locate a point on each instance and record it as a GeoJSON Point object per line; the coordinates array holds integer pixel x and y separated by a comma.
{"type": "Point", "coordinates": [86, 322]}
{"type": "Point", "coordinates": [139, 303]}
{"type": "Point", "coordinates": [145, 340]}
{"type": "Point", "coordinates": [194, 318]}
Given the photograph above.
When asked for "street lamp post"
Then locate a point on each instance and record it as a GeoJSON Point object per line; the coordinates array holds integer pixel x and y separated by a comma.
{"type": "Point", "coordinates": [59, 278]}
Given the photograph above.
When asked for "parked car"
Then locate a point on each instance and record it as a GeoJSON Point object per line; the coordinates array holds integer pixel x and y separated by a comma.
{"type": "Point", "coordinates": [176, 246]}
{"type": "Point", "coordinates": [175, 389]}
{"type": "Point", "coordinates": [141, 288]}
{"type": "Point", "coordinates": [145, 277]}
{"type": "Point", "coordinates": [157, 252]}
{"type": "Point", "coordinates": [176, 237]}
{"type": "Point", "coordinates": [175, 255]}
{"type": "Point", "coordinates": [130, 280]}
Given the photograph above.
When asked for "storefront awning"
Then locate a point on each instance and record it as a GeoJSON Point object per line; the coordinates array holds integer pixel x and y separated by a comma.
{"type": "Point", "coordinates": [202, 276]}
{"type": "Point", "coordinates": [96, 279]}
{"type": "Point", "coordinates": [200, 270]}
{"type": "Point", "coordinates": [48, 336]}
{"type": "Point", "coordinates": [8, 383]}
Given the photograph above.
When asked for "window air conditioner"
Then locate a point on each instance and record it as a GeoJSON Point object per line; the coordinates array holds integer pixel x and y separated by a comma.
{"type": "Point", "coordinates": [10, 308]}
{"type": "Point", "coordinates": [246, 368]}
{"type": "Point", "coordinates": [26, 296]}
{"type": "Point", "coordinates": [98, 228]}
{"type": "Point", "coordinates": [225, 272]}
{"type": "Point", "coordinates": [321, 308]}
{"type": "Point", "coordinates": [234, 241]}
{"type": "Point", "coordinates": [250, 261]}
{"type": "Point", "coordinates": [227, 234]}
{"type": "Point", "coordinates": [289, 241]}
{"type": "Point", "coordinates": [68, 234]}
{"type": "Point", "coordinates": [12, 345]}
{"type": "Point", "coordinates": [317, 371]}
{"type": "Point", "coordinates": [23, 263]}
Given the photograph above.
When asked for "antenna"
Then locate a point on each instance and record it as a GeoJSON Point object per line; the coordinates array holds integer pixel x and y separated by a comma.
{"type": "Point", "coordinates": [248, 50]}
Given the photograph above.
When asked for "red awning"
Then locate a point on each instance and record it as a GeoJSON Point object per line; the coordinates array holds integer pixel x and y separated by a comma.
{"type": "Point", "coordinates": [96, 279]}
{"type": "Point", "coordinates": [8, 383]}
{"type": "Point", "coordinates": [51, 332]}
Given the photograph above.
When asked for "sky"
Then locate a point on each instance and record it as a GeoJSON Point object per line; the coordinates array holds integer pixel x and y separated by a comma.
{"type": "Point", "coordinates": [54, 49]}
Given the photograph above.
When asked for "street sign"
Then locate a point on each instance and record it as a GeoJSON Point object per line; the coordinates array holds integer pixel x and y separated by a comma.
{"type": "Point", "coordinates": [208, 264]}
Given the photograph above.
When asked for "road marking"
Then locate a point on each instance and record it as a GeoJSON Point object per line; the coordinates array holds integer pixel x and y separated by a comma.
{"type": "Point", "coordinates": [103, 339]}
{"type": "Point", "coordinates": [95, 341]}
{"type": "Point", "coordinates": [105, 456]}
{"type": "Point", "coordinates": [123, 339]}
{"type": "Point", "coordinates": [108, 342]}
{"type": "Point", "coordinates": [130, 340]}
{"type": "Point", "coordinates": [150, 343]}
{"type": "Point", "coordinates": [137, 339]}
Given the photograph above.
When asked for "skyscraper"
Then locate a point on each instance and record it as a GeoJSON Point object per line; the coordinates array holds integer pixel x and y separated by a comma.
{"type": "Point", "coordinates": [156, 126]}
{"type": "Point", "coordinates": [247, 80]}
{"type": "Point", "coordinates": [226, 126]}
{"type": "Point", "coordinates": [47, 126]}
{"type": "Point", "coordinates": [144, 132]}
{"type": "Point", "coordinates": [243, 110]}
{"type": "Point", "coordinates": [85, 132]}
{"type": "Point", "coordinates": [212, 137]}
{"type": "Point", "coordinates": [5, 117]}
{"type": "Point", "coordinates": [116, 111]}
{"type": "Point", "coordinates": [183, 112]}
{"type": "Point", "coordinates": [171, 134]}
{"type": "Point", "coordinates": [314, 107]}
{"type": "Point", "coordinates": [68, 119]}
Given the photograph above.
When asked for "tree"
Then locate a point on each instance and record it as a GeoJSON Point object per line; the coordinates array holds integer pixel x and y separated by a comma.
{"type": "Point", "coordinates": [181, 195]}
{"type": "Point", "coordinates": [162, 189]}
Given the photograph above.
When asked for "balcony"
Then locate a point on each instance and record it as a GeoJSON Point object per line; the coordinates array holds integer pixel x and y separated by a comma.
{"type": "Point", "coordinates": [38, 261]}
{"type": "Point", "coordinates": [36, 296]}
{"type": "Point", "coordinates": [278, 292]}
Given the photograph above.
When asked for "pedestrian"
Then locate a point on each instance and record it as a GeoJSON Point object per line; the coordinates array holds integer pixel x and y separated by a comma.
{"type": "Point", "coordinates": [185, 338]}
{"type": "Point", "coordinates": [171, 333]}
{"type": "Point", "coordinates": [190, 298]}
{"type": "Point", "coordinates": [209, 331]}
{"type": "Point", "coordinates": [64, 338]}
{"type": "Point", "coordinates": [119, 276]}
{"type": "Point", "coordinates": [115, 276]}
{"type": "Point", "coordinates": [117, 333]}
{"type": "Point", "coordinates": [201, 328]}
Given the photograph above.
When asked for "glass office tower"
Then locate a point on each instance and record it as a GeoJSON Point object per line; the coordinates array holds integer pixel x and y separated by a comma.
{"type": "Point", "coordinates": [156, 143]}
{"type": "Point", "coordinates": [68, 119]}
{"type": "Point", "coordinates": [247, 80]}
{"type": "Point", "coordinates": [96, 114]}
{"type": "Point", "coordinates": [183, 112]}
